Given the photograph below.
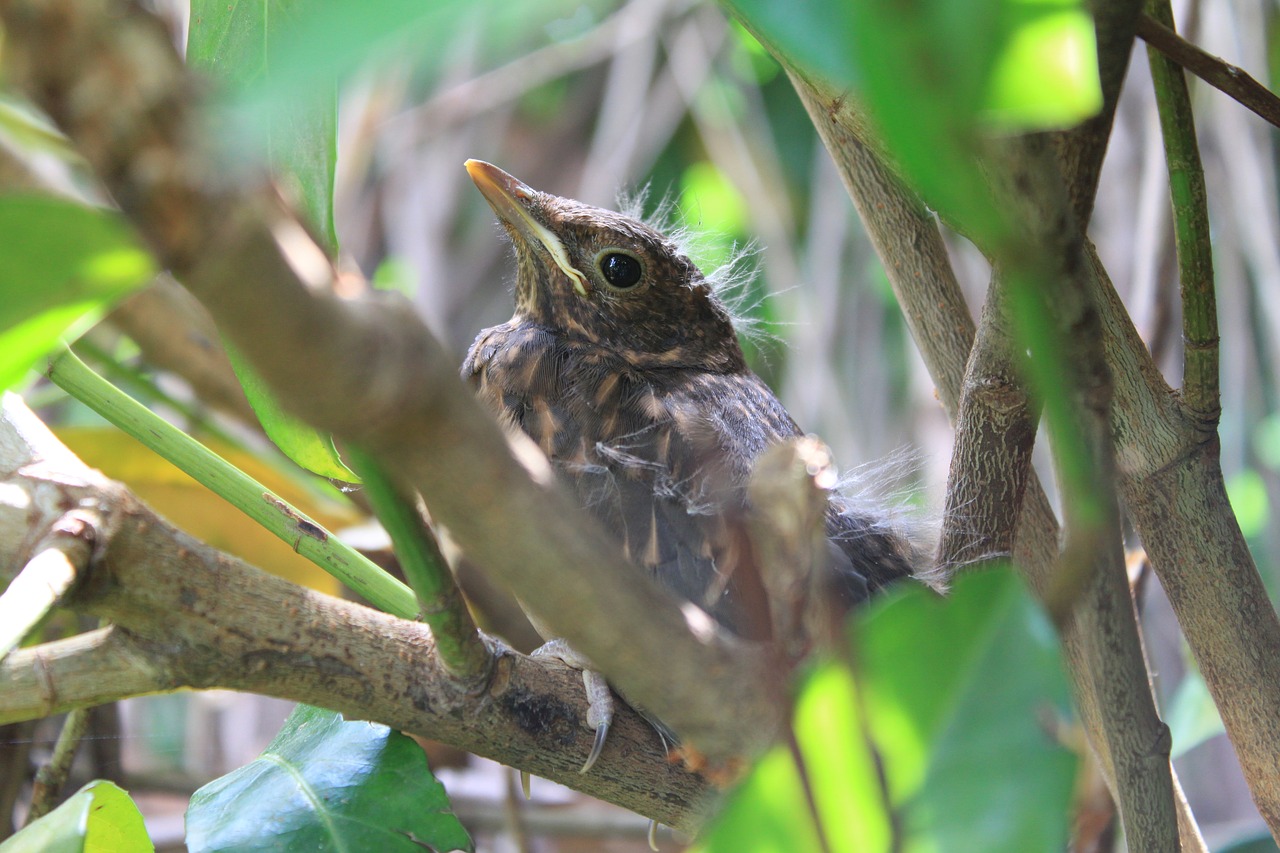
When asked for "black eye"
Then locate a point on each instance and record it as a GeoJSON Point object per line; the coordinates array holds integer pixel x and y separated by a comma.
{"type": "Point", "coordinates": [621, 271]}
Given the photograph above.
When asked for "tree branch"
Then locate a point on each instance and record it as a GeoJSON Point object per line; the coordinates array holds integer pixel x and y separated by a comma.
{"type": "Point", "coordinates": [188, 616]}
{"type": "Point", "coordinates": [105, 72]}
{"type": "Point", "coordinates": [911, 248]}
{"type": "Point", "coordinates": [1231, 80]}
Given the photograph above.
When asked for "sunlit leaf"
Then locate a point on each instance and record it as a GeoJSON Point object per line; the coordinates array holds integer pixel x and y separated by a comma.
{"type": "Point", "coordinates": [954, 695]}
{"type": "Point", "coordinates": [958, 692]}
{"type": "Point", "coordinates": [99, 818]}
{"type": "Point", "coordinates": [326, 783]}
{"type": "Point", "coordinates": [817, 34]}
{"type": "Point", "coordinates": [1046, 74]}
{"type": "Point", "coordinates": [935, 75]}
{"type": "Point", "coordinates": [58, 252]}
{"type": "Point", "coordinates": [304, 444]}
{"type": "Point", "coordinates": [22, 345]}
{"type": "Point", "coordinates": [62, 265]}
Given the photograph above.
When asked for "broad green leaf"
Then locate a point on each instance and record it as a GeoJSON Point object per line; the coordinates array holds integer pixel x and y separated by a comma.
{"type": "Point", "coordinates": [22, 345]}
{"type": "Point", "coordinates": [58, 252]}
{"type": "Point", "coordinates": [817, 34]}
{"type": "Point", "coordinates": [326, 783]}
{"type": "Point", "coordinates": [63, 264]}
{"type": "Point", "coordinates": [935, 75]}
{"type": "Point", "coordinates": [284, 60]}
{"type": "Point", "coordinates": [957, 692]}
{"type": "Point", "coordinates": [99, 818]}
{"type": "Point", "coordinates": [953, 693]}
{"type": "Point", "coordinates": [235, 42]}
{"type": "Point", "coordinates": [303, 444]}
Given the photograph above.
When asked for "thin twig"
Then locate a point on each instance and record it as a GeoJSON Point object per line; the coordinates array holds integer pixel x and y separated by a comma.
{"type": "Point", "coordinates": [52, 777]}
{"type": "Point", "coordinates": [1231, 80]}
{"type": "Point", "coordinates": [1190, 228]}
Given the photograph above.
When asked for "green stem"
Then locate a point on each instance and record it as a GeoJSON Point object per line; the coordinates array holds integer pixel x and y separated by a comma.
{"type": "Point", "coordinates": [1191, 230]}
{"type": "Point", "coordinates": [240, 490]}
{"type": "Point", "coordinates": [115, 371]}
{"type": "Point", "coordinates": [146, 389]}
{"type": "Point", "coordinates": [441, 605]}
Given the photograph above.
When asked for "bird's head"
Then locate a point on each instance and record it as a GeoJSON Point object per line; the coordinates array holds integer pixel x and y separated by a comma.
{"type": "Point", "coordinates": [603, 278]}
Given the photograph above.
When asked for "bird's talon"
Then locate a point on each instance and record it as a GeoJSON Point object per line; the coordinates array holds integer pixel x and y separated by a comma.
{"type": "Point", "coordinates": [602, 732]}
{"type": "Point", "coordinates": [525, 784]}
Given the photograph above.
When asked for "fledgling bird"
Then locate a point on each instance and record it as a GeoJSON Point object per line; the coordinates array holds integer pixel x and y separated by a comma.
{"type": "Point", "coordinates": [623, 364]}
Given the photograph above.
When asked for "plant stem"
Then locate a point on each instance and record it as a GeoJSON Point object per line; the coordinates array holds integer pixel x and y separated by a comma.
{"type": "Point", "coordinates": [1191, 231]}
{"type": "Point", "coordinates": [51, 777]}
{"type": "Point", "coordinates": [440, 602]}
{"type": "Point", "coordinates": [230, 483]}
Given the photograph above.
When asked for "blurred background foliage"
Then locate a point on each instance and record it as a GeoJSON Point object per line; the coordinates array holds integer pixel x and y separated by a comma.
{"type": "Point", "coordinates": [593, 99]}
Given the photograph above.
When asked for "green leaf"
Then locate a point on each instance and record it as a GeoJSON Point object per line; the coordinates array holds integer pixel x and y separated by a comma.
{"type": "Point", "coordinates": [62, 263]}
{"type": "Point", "coordinates": [58, 252]}
{"type": "Point", "coordinates": [305, 445]}
{"type": "Point", "coordinates": [817, 34]}
{"type": "Point", "coordinates": [1045, 75]}
{"type": "Point", "coordinates": [953, 693]}
{"type": "Point", "coordinates": [235, 42]}
{"type": "Point", "coordinates": [957, 691]}
{"type": "Point", "coordinates": [935, 75]}
{"type": "Point", "coordinates": [325, 783]}
{"type": "Point", "coordinates": [99, 818]}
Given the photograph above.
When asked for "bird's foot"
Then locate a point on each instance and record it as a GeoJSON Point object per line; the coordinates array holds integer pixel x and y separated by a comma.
{"type": "Point", "coordinates": [599, 697]}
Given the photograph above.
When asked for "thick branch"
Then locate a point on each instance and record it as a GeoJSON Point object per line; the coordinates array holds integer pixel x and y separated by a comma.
{"type": "Point", "coordinates": [910, 246]}
{"type": "Point", "coordinates": [995, 433]}
{"type": "Point", "coordinates": [186, 615]}
{"type": "Point", "coordinates": [390, 386]}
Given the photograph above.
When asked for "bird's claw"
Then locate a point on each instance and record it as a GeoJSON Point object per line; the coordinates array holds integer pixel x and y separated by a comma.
{"type": "Point", "coordinates": [599, 697]}
{"type": "Point", "coordinates": [602, 732]}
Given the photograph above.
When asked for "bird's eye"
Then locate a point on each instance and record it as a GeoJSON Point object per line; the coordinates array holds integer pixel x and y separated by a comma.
{"type": "Point", "coordinates": [620, 270]}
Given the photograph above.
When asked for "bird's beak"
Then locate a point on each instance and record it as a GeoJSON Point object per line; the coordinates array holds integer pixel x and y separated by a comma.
{"type": "Point", "coordinates": [511, 199]}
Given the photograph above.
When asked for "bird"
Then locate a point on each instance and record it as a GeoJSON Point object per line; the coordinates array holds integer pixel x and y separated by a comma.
{"type": "Point", "coordinates": [623, 364]}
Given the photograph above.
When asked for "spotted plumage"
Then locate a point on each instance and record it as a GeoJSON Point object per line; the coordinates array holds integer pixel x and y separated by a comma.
{"type": "Point", "coordinates": [623, 365]}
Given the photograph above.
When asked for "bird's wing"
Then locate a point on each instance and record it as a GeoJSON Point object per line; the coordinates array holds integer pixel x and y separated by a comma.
{"type": "Point", "coordinates": [661, 459]}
